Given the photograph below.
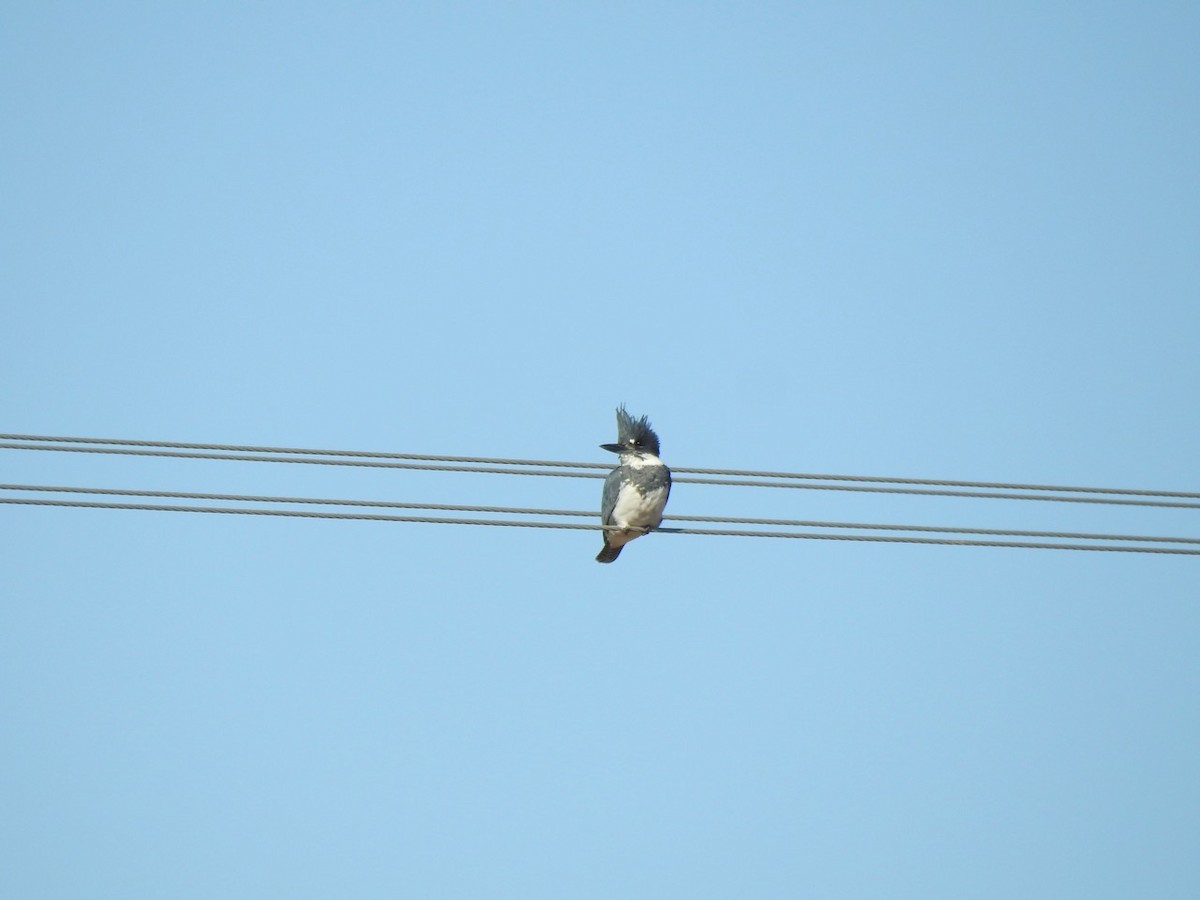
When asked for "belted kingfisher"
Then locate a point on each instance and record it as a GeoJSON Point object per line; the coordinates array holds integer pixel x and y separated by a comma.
{"type": "Point", "coordinates": [636, 491]}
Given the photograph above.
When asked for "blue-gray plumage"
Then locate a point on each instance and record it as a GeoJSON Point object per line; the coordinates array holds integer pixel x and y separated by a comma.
{"type": "Point", "coordinates": [636, 491]}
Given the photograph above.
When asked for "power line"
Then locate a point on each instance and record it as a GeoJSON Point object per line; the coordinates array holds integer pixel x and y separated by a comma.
{"type": "Point", "coordinates": [375, 463]}
{"type": "Point", "coordinates": [297, 513]}
{"type": "Point", "coordinates": [938, 492]}
{"type": "Point", "coordinates": [949, 542]}
{"type": "Point", "coordinates": [312, 514]}
{"type": "Point", "coordinates": [320, 501]}
{"type": "Point", "coordinates": [560, 468]}
{"type": "Point", "coordinates": [284, 451]}
{"type": "Point", "coordinates": [526, 511]}
{"type": "Point", "coordinates": [991, 534]}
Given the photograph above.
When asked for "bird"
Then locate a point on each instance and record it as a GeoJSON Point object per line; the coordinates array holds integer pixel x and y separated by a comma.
{"type": "Point", "coordinates": [636, 491]}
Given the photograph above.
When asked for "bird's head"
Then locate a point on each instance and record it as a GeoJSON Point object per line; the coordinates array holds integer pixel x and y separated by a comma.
{"type": "Point", "coordinates": [633, 435]}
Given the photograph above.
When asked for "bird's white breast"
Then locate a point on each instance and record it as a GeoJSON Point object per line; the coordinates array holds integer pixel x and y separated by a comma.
{"type": "Point", "coordinates": [637, 510]}
{"type": "Point", "coordinates": [634, 509]}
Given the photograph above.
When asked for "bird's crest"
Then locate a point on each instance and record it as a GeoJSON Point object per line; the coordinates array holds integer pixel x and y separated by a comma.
{"type": "Point", "coordinates": [635, 433]}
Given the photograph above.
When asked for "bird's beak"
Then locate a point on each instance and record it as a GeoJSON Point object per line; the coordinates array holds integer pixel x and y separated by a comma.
{"type": "Point", "coordinates": [612, 448]}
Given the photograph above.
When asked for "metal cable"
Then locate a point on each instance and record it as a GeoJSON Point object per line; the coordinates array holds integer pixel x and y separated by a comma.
{"type": "Point", "coordinates": [299, 451]}
{"type": "Point", "coordinates": [525, 511]}
{"type": "Point", "coordinates": [501, 466]}
{"type": "Point", "coordinates": [738, 473]}
{"type": "Point", "coordinates": [377, 517]}
{"type": "Point", "coordinates": [367, 463]}
{"type": "Point", "coordinates": [950, 542]}
{"type": "Point", "coordinates": [937, 492]}
{"type": "Point", "coordinates": [299, 513]}
{"type": "Point", "coordinates": [319, 501]}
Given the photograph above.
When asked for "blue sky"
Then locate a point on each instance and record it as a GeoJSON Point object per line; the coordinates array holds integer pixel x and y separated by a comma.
{"type": "Point", "coordinates": [920, 240]}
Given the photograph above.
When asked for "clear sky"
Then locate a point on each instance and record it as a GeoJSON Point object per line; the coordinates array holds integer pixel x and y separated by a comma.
{"type": "Point", "coordinates": [926, 240]}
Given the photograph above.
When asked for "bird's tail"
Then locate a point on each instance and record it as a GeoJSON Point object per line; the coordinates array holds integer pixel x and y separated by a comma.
{"type": "Point", "coordinates": [608, 554]}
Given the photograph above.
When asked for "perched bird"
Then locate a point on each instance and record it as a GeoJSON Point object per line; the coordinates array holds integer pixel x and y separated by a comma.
{"type": "Point", "coordinates": [636, 491]}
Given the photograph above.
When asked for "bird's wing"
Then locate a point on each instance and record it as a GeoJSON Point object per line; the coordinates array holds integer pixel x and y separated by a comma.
{"type": "Point", "coordinates": [612, 486]}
